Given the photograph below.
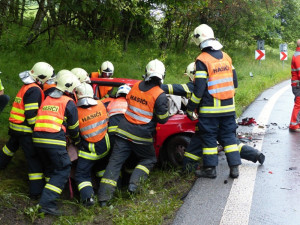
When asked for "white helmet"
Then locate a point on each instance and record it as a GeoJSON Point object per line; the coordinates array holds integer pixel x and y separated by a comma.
{"type": "Point", "coordinates": [123, 89]}
{"type": "Point", "coordinates": [107, 69]}
{"type": "Point", "coordinates": [82, 75]}
{"type": "Point", "coordinates": [84, 90]}
{"type": "Point", "coordinates": [190, 71]}
{"type": "Point", "coordinates": [204, 37]}
{"type": "Point", "coordinates": [42, 72]}
{"type": "Point", "coordinates": [155, 68]}
{"type": "Point", "coordinates": [66, 81]}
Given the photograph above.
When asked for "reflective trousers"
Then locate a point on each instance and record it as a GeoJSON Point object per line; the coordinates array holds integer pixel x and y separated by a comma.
{"type": "Point", "coordinates": [295, 118]}
{"type": "Point", "coordinates": [58, 164]}
{"type": "Point", "coordinates": [87, 162]}
{"type": "Point", "coordinates": [35, 168]}
{"type": "Point", "coordinates": [121, 151]}
{"type": "Point", "coordinates": [193, 155]}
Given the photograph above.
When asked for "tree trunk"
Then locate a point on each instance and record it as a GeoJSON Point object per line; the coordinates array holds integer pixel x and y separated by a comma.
{"type": "Point", "coordinates": [35, 29]}
{"type": "Point", "coordinates": [128, 35]}
{"type": "Point", "coordinates": [22, 12]}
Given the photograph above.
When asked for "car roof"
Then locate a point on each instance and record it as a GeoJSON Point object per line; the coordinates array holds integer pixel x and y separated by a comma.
{"type": "Point", "coordinates": [113, 82]}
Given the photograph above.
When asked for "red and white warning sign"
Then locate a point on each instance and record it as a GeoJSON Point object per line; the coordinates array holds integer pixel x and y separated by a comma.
{"type": "Point", "coordinates": [260, 55]}
{"type": "Point", "coordinates": [283, 56]}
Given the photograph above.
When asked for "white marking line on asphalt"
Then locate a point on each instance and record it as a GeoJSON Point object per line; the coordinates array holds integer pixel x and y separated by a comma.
{"type": "Point", "coordinates": [238, 206]}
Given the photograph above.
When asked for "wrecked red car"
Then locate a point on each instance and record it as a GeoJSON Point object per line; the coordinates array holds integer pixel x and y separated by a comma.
{"type": "Point", "coordinates": [171, 138]}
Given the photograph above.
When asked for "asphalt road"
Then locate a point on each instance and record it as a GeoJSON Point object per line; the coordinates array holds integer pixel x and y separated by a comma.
{"type": "Point", "coordinates": [267, 194]}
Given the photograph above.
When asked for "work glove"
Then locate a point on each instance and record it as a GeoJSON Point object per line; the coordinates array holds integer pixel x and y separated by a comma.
{"type": "Point", "coordinates": [191, 115]}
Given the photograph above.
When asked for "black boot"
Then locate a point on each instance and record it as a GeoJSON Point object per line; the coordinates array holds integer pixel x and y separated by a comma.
{"type": "Point", "coordinates": [208, 172]}
{"type": "Point", "coordinates": [51, 211]}
{"type": "Point", "coordinates": [88, 202]}
{"type": "Point", "coordinates": [132, 188]}
{"type": "Point", "coordinates": [234, 171]}
{"type": "Point", "coordinates": [260, 158]}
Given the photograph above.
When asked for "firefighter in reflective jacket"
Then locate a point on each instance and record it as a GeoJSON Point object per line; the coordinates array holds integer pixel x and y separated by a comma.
{"type": "Point", "coordinates": [56, 117]}
{"type": "Point", "coordinates": [95, 145]}
{"type": "Point", "coordinates": [147, 105]}
{"type": "Point", "coordinates": [106, 71]}
{"type": "Point", "coordinates": [193, 155]}
{"type": "Point", "coordinates": [295, 82]}
{"type": "Point", "coordinates": [21, 122]}
{"type": "Point", "coordinates": [213, 97]}
{"type": "Point", "coordinates": [116, 108]}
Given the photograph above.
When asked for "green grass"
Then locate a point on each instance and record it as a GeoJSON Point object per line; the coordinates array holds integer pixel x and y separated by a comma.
{"type": "Point", "coordinates": [160, 197]}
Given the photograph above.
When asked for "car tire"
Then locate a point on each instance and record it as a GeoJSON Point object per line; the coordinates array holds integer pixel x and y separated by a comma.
{"type": "Point", "coordinates": [176, 148]}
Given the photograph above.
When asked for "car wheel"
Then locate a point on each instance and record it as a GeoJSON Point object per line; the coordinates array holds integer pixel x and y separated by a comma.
{"type": "Point", "coordinates": [176, 148]}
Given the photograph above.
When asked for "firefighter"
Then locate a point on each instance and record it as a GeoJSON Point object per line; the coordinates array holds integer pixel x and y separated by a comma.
{"type": "Point", "coordinates": [82, 75]}
{"type": "Point", "coordinates": [295, 82]}
{"type": "Point", "coordinates": [56, 117]}
{"type": "Point", "coordinates": [106, 71]}
{"type": "Point", "coordinates": [116, 108]}
{"type": "Point", "coordinates": [21, 122]}
{"type": "Point", "coordinates": [193, 154]}
{"type": "Point", "coordinates": [49, 86]}
{"type": "Point", "coordinates": [213, 97]}
{"type": "Point", "coordinates": [147, 105]}
{"type": "Point", "coordinates": [95, 145]}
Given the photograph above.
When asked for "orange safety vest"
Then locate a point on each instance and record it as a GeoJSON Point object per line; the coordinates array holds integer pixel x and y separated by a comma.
{"type": "Point", "coordinates": [95, 75]}
{"type": "Point", "coordinates": [51, 114]}
{"type": "Point", "coordinates": [48, 86]}
{"type": "Point", "coordinates": [17, 113]}
{"type": "Point", "coordinates": [220, 80]}
{"type": "Point", "coordinates": [93, 122]}
{"type": "Point", "coordinates": [141, 104]}
{"type": "Point", "coordinates": [117, 106]}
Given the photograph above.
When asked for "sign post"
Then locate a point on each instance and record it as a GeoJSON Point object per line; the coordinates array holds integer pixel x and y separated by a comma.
{"type": "Point", "coordinates": [283, 52]}
{"type": "Point", "coordinates": [260, 51]}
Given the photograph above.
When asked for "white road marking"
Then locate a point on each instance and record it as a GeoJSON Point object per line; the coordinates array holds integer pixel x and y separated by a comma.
{"type": "Point", "coordinates": [238, 206]}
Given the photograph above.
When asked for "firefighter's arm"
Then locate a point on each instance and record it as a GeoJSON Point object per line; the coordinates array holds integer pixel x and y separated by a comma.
{"type": "Point", "coordinates": [32, 102]}
{"type": "Point", "coordinates": [199, 86]}
{"type": "Point", "coordinates": [177, 89]}
{"type": "Point", "coordinates": [161, 111]}
{"type": "Point", "coordinates": [72, 122]}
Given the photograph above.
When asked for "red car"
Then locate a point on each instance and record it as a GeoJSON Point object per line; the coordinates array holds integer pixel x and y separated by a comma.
{"type": "Point", "coordinates": [171, 138]}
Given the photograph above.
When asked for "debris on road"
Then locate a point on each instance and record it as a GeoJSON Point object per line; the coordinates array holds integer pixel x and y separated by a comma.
{"type": "Point", "coordinates": [247, 121]}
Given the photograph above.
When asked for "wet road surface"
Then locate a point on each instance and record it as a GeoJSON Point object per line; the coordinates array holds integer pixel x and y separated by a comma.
{"type": "Point", "coordinates": [267, 194]}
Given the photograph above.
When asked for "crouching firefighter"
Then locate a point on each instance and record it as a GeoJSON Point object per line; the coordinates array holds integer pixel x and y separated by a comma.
{"type": "Point", "coordinates": [21, 122]}
{"type": "Point", "coordinates": [95, 145]}
{"type": "Point", "coordinates": [56, 117]}
{"type": "Point", "coordinates": [147, 105]}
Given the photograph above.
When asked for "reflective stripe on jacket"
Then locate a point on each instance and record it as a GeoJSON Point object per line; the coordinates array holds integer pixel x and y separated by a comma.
{"type": "Point", "coordinates": [117, 106]}
{"type": "Point", "coordinates": [17, 113]}
{"type": "Point", "coordinates": [93, 122]}
{"type": "Point", "coordinates": [141, 104]}
{"type": "Point", "coordinates": [50, 116]}
{"type": "Point", "coordinates": [220, 80]}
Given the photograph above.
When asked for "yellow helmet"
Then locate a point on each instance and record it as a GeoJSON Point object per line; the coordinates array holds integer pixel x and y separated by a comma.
{"type": "Point", "coordinates": [67, 81]}
{"type": "Point", "coordinates": [82, 75]}
{"type": "Point", "coordinates": [42, 71]}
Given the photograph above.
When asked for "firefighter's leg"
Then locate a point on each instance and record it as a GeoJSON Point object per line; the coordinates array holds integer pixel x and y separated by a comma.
{"type": "Point", "coordinates": [8, 151]}
{"type": "Point", "coordinates": [35, 167]}
{"type": "Point", "coordinates": [192, 158]}
{"type": "Point", "coordinates": [227, 136]}
{"type": "Point", "coordinates": [295, 118]}
{"type": "Point", "coordinates": [208, 130]}
{"type": "Point", "coordinates": [60, 160]}
{"type": "Point", "coordinates": [108, 182]}
{"type": "Point", "coordinates": [147, 160]}
{"type": "Point", "coordinates": [83, 178]}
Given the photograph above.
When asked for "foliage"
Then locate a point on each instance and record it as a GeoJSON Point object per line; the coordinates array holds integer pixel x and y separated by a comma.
{"type": "Point", "coordinates": [167, 24]}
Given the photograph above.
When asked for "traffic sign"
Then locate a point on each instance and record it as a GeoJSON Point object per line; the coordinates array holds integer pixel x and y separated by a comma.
{"type": "Point", "coordinates": [261, 45]}
{"type": "Point", "coordinates": [283, 55]}
{"type": "Point", "coordinates": [260, 55]}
